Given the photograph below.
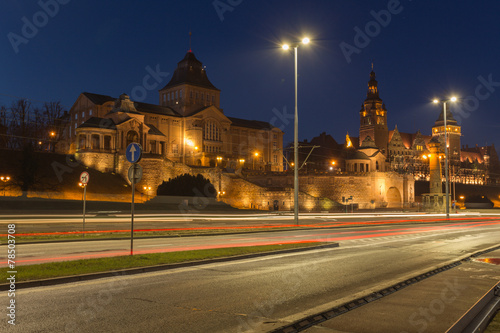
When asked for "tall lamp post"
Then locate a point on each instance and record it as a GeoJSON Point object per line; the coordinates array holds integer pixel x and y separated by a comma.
{"type": "Point", "coordinates": [296, 137]}
{"type": "Point", "coordinates": [447, 193]}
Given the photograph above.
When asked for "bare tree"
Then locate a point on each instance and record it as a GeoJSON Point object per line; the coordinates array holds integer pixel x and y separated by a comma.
{"type": "Point", "coordinates": [20, 129]}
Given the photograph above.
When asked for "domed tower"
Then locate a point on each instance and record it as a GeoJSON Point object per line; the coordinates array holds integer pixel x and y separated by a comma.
{"type": "Point", "coordinates": [453, 134]}
{"type": "Point", "coordinates": [189, 90]}
{"type": "Point", "coordinates": [373, 117]}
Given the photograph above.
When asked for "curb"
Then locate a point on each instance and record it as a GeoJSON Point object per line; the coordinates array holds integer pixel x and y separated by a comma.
{"type": "Point", "coordinates": [132, 271]}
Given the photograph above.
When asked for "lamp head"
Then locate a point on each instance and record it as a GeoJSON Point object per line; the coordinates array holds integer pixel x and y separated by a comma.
{"type": "Point", "coordinates": [285, 46]}
{"type": "Point", "coordinates": [453, 99]}
{"type": "Point", "coordinates": [435, 101]}
{"type": "Point", "coordinates": [306, 40]}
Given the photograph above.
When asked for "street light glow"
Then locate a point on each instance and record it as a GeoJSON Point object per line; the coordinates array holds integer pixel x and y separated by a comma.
{"type": "Point", "coordinates": [286, 46]}
{"type": "Point", "coordinates": [435, 101]}
{"type": "Point", "coordinates": [306, 40]}
{"type": "Point", "coordinates": [453, 99]}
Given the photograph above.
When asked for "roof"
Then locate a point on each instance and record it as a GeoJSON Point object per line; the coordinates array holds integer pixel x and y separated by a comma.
{"type": "Point", "coordinates": [190, 71]}
{"type": "Point", "coordinates": [142, 107]}
{"type": "Point", "coordinates": [256, 124]}
{"type": "Point", "coordinates": [358, 156]}
{"type": "Point", "coordinates": [97, 122]}
{"type": "Point", "coordinates": [470, 156]}
{"type": "Point", "coordinates": [449, 118]}
{"type": "Point", "coordinates": [157, 109]}
{"type": "Point", "coordinates": [98, 99]}
{"type": "Point", "coordinates": [154, 131]}
{"type": "Point", "coordinates": [407, 139]}
{"type": "Point", "coordinates": [368, 143]}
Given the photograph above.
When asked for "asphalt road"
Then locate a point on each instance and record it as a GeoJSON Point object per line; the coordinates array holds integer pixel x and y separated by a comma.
{"type": "Point", "coordinates": [50, 252]}
{"type": "Point", "coordinates": [250, 295]}
{"type": "Point", "coordinates": [61, 223]}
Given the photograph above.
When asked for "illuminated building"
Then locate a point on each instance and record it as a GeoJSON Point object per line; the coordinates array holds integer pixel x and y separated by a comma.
{"type": "Point", "coordinates": [188, 126]}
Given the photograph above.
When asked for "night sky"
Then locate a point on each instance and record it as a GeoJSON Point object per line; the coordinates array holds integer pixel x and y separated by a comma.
{"type": "Point", "coordinates": [423, 50]}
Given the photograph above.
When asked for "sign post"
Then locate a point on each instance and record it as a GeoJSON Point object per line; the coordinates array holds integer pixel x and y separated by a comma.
{"type": "Point", "coordinates": [133, 154]}
{"type": "Point", "coordinates": [84, 179]}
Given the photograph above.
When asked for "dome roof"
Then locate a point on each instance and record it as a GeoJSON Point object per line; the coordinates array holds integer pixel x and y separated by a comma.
{"type": "Point", "coordinates": [190, 71]}
{"type": "Point", "coordinates": [449, 118]}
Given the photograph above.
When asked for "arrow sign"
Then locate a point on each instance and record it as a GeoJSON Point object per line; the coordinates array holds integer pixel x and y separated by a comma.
{"type": "Point", "coordinates": [133, 152]}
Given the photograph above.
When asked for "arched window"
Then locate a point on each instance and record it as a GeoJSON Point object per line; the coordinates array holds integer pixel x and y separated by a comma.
{"type": "Point", "coordinates": [95, 142]}
{"type": "Point", "coordinates": [211, 131]}
{"type": "Point", "coordinates": [132, 136]}
{"type": "Point", "coordinates": [81, 142]}
{"type": "Point", "coordinates": [107, 142]}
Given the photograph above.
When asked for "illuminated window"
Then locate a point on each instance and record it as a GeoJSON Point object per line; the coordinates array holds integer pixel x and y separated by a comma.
{"type": "Point", "coordinates": [211, 131]}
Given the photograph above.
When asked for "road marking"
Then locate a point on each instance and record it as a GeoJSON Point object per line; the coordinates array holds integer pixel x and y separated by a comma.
{"type": "Point", "coordinates": [154, 245]}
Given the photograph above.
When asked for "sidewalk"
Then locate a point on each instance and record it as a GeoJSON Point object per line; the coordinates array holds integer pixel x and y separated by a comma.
{"type": "Point", "coordinates": [432, 305]}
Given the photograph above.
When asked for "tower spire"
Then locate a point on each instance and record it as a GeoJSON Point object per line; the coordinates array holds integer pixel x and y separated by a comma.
{"type": "Point", "coordinates": [190, 36]}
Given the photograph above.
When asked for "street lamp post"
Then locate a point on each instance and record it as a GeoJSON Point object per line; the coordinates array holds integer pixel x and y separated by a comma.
{"type": "Point", "coordinates": [255, 155]}
{"type": "Point", "coordinates": [296, 137]}
{"type": "Point", "coordinates": [447, 192]}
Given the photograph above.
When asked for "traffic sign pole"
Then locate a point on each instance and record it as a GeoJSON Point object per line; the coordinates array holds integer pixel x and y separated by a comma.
{"type": "Point", "coordinates": [84, 180]}
{"type": "Point", "coordinates": [132, 213]}
{"type": "Point", "coordinates": [133, 153]}
{"type": "Point", "coordinates": [84, 201]}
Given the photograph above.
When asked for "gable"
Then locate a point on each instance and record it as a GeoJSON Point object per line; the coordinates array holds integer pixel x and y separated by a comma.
{"type": "Point", "coordinates": [211, 112]}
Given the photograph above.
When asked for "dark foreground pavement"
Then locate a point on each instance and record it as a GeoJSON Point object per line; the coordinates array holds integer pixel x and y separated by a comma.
{"type": "Point", "coordinates": [432, 305]}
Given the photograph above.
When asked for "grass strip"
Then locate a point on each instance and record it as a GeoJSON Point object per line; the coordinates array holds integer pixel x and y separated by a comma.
{"type": "Point", "coordinates": [86, 266]}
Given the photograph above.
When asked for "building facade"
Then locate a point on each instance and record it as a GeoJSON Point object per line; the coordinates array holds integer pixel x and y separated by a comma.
{"type": "Point", "coordinates": [188, 126]}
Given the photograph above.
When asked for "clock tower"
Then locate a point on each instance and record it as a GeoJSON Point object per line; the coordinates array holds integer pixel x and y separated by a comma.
{"type": "Point", "coordinates": [373, 117]}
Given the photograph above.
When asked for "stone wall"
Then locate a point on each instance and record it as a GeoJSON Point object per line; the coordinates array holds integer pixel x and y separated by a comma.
{"type": "Point", "coordinates": [271, 191]}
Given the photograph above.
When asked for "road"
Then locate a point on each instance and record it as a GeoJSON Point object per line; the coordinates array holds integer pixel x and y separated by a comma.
{"type": "Point", "coordinates": [112, 221]}
{"type": "Point", "coordinates": [323, 232]}
{"type": "Point", "coordinates": [254, 294]}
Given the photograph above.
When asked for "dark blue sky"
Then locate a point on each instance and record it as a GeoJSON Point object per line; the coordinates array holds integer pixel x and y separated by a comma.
{"type": "Point", "coordinates": [429, 48]}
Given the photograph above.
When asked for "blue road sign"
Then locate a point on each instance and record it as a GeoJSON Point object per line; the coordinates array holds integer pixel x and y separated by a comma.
{"type": "Point", "coordinates": [133, 152]}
